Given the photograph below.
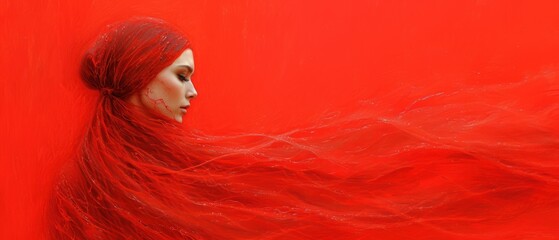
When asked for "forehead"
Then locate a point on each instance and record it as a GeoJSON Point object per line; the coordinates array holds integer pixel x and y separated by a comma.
{"type": "Point", "coordinates": [186, 58]}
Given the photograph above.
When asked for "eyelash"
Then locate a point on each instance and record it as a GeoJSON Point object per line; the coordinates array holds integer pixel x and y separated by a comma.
{"type": "Point", "coordinates": [183, 78]}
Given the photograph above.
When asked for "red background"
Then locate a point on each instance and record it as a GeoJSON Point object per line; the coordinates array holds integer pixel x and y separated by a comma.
{"type": "Point", "coordinates": [262, 66]}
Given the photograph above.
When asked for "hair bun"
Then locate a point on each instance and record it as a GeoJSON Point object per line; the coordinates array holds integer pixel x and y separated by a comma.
{"type": "Point", "coordinates": [106, 91]}
{"type": "Point", "coordinates": [129, 54]}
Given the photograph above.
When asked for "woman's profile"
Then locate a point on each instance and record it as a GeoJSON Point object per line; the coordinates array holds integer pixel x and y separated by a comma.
{"type": "Point", "coordinates": [137, 174]}
{"type": "Point", "coordinates": [142, 68]}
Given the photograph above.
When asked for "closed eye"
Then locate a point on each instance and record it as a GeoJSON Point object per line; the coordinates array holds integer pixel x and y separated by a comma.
{"type": "Point", "coordinates": [183, 78]}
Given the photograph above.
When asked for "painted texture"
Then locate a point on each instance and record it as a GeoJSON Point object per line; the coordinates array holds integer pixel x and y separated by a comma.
{"type": "Point", "coordinates": [477, 78]}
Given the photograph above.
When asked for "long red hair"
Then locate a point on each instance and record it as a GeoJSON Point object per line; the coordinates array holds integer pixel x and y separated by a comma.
{"type": "Point", "coordinates": [423, 167]}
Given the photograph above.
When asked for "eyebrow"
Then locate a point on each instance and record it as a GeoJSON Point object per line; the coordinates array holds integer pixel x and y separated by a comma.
{"type": "Point", "coordinates": [187, 67]}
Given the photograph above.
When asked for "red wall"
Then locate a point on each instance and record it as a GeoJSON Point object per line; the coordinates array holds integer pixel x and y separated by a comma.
{"type": "Point", "coordinates": [260, 66]}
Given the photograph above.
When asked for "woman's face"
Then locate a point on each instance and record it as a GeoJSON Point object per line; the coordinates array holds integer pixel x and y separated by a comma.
{"type": "Point", "coordinates": [171, 91]}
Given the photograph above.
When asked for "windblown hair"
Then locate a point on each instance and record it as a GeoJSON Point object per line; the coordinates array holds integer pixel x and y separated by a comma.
{"type": "Point", "coordinates": [422, 168]}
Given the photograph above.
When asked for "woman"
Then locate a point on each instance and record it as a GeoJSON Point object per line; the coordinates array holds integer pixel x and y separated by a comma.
{"type": "Point", "coordinates": [369, 175]}
{"type": "Point", "coordinates": [142, 68]}
{"type": "Point", "coordinates": [139, 176]}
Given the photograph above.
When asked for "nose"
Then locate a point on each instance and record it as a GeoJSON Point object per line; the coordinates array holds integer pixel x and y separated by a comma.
{"type": "Point", "coordinates": [191, 92]}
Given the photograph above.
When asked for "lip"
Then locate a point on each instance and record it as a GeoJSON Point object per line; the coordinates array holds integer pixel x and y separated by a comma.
{"type": "Point", "coordinates": [183, 108]}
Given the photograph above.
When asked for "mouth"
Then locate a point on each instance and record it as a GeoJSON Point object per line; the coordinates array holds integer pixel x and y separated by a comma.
{"type": "Point", "coordinates": [183, 108]}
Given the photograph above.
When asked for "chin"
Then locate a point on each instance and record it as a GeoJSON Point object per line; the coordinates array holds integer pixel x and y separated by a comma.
{"type": "Point", "coordinates": [178, 119]}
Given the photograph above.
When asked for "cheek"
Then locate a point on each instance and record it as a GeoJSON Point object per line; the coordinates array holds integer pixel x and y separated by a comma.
{"type": "Point", "coordinates": [170, 90]}
{"type": "Point", "coordinates": [161, 91]}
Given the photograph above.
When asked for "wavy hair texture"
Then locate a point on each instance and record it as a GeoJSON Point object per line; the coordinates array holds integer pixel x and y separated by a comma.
{"type": "Point", "coordinates": [456, 165]}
